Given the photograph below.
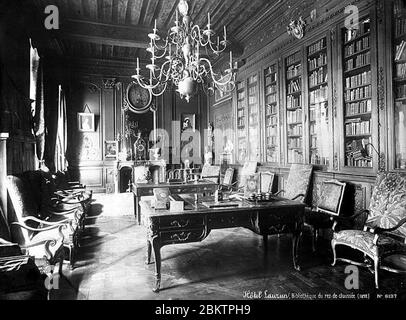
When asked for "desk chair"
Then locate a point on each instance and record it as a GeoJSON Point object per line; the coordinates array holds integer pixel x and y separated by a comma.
{"type": "Point", "coordinates": [328, 207]}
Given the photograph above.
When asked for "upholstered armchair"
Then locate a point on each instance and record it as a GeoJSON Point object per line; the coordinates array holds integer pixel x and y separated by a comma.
{"type": "Point", "coordinates": [328, 208]}
{"type": "Point", "coordinates": [384, 232]}
{"type": "Point", "coordinates": [31, 226]}
{"type": "Point", "coordinates": [298, 182]}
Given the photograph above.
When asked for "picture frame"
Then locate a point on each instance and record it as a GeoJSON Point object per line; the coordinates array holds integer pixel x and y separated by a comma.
{"type": "Point", "coordinates": [86, 122]}
{"type": "Point", "coordinates": [111, 149]}
{"type": "Point", "coordinates": [188, 122]}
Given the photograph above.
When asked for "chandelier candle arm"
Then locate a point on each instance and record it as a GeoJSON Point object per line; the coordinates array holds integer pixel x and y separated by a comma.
{"type": "Point", "coordinates": [183, 66]}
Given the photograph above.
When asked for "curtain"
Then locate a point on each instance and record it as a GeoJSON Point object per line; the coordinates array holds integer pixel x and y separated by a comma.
{"type": "Point", "coordinates": [37, 108]}
{"type": "Point", "coordinates": [61, 135]}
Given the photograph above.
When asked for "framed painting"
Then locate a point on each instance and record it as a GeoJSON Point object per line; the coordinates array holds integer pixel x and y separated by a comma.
{"type": "Point", "coordinates": [188, 122]}
{"type": "Point", "coordinates": [111, 150]}
{"type": "Point", "coordinates": [86, 122]}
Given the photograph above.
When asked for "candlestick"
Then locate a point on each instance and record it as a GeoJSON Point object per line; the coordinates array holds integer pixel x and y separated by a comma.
{"type": "Point", "coordinates": [208, 20]}
{"type": "Point", "coordinates": [231, 59]}
{"type": "Point", "coordinates": [225, 34]}
{"type": "Point", "coordinates": [138, 64]}
{"type": "Point", "coordinates": [155, 27]}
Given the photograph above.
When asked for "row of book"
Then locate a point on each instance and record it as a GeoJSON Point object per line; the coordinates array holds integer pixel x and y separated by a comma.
{"type": "Point", "coordinates": [270, 79]}
{"type": "Point", "coordinates": [271, 109]}
{"type": "Point", "coordinates": [252, 90]}
{"type": "Point", "coordinates": [364, 27]}
{"type": "Point", "coordinates": [401, 91]}
{"type": "Point", "coordinates": [293, 101]}
{"type": "Point", "coordinates": [359, 107]}
{"type": "Point", "coordinates": [318, 77]}
{"type": "Point", "coordinates": [271, 89]}
{"type": "Point", "coordinates": [312, 128]}
{"type": "Point", "coordinates": [294, 116]}
{"type": "Point", "coordinates": [400, 27]}
{"type": "Point", "coordinates": [357, 127]}
{"type": "Point", "coordinates": [293, 58]}
{"type": "Point", "coordinates": [319, 45]}
{"type": "Point", "coordinates": [271, 99]}
{"type": "Point", "coordinates": [358, 93]}
{"type": "Point", "coordinates": [360, 79]}
{"type": "Point", "coordinates": [319, 113]}
{"type": "Point", "coordinates": [241, 95]}
{"type": "Point", "coordinates": [295, 143]}
{"type": "Point", "coordinates": [358, 61]}
{"type": "Point", "coordinates": [401, 70]}
{"type": "Point", "coordinates": [362, 163]}
{"type": "Point", "coordinates": [294, 71]}
{"type": "Point", "coordinates": [295, 130]}
{"type": "Point", "coordinates": [357, 46]}
{"type": "Point", "coordinates": [241, 122]}
{"type": "Point", "coordinates": [315, 158]}
{"type": "Point", "coordinates": [271, 121]}
{"type": "Point", "coordinates": [271, 155]}
{"type": "Point", "coordinates": [252, 100]}
{"type": "Point", "coordinates": [270, 70]}
{"type": "Point", "coordinates": [358, 152]}
{"type": "Point", "coordinates": [400, 52]}
{"type": "Point", "coordinates": [240, 85]}
{"type": "Point", "coordinates": [295, 156]}
{"type": "Point", "coordinates": [253, 79]}
{"type": "Point", "coordinates": [319, 95]}
{"type": "Point", "coordinates": [272, 135]}
{"type": "Point", "coordinates": [294, 86]}
{"type": "Point", "coordinates": [317, 62]}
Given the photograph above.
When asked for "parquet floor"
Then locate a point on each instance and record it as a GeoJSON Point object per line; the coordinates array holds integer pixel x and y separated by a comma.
{"type": "Point", "coordinates": [229, 264]}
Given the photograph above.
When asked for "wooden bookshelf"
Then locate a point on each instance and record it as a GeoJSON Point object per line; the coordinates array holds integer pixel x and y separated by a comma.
{"type": "Point", "coordinates": [357, 78]}
{"type": "Point", "coordinates": [294, 107]}
{"type": "Point", "coordinates": [318, 102]}
{"type": "Point", "coordinates": [271, 114]}
{"type": "Point", "coordinates": [253, 118]}
{"type": "Point", "coordinates": [241, 123]}
{"type": "Point", "coordinates": [399, 82]}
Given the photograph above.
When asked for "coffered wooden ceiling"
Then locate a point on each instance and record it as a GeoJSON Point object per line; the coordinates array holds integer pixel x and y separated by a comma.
{"type": "Point", "coordinates": [116, 30]}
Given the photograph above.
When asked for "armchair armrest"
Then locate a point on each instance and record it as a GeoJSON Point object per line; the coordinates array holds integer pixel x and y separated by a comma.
{"type": "Point", "coordinates": [36, 229]}
{"type": "Point", "coordinates": [383, 230]}
{"type": "Point", "coordinates": [279, 192]}
{"type": "Point", "coordinates": [349, 219]}
{"type": "Point", "coordinates": [297, 196]}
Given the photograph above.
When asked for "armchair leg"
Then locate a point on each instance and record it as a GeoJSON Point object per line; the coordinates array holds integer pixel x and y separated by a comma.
{"type": "Point", "coordinates": [333, 246]}
{"type": "Point", "coordinates": [376, 269]}
{"type": "Point", "coordinates": [314, 239]}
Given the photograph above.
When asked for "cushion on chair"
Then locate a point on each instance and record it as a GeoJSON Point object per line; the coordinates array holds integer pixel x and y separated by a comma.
{"type": "Point", "coordinates": [364, 241]}
{"type": "Point", "coordinates": [298, 181]}
{"type": "Point", "coordinates": [388, 202]}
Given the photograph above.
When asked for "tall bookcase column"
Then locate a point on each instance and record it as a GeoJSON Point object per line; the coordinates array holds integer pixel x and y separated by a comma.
{"type": "Point", "coordinates": [319, 115]}
{"type": "Point", "coordinates": [358, 66]}
{"type": "Point", "coordinates": [272, 114]}
{"type": "Point", "coordinates": [294, 111]}
{"type": "Point", "coordinates": [397, 92]}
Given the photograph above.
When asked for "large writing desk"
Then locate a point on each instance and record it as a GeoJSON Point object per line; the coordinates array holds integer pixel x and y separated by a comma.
{"type": "Point", "coordinates": [196, 221]}
{"type": "Point", "coordinates": [146, 189]}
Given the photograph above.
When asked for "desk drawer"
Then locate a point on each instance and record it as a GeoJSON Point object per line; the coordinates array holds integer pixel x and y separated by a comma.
{"type": "Point", "coordinates": [228, 220]}
{"type": "Point", "coordinates": [182, 236]}
{"type": "Point", "coordinates": [180, 222]}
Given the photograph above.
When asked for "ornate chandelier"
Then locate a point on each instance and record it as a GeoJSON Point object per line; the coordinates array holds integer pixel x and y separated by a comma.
{"type": "Point", "coordinates": [181, 61]}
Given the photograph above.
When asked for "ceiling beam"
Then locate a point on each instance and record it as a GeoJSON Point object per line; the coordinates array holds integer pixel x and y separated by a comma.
{"type": "Point", "coordinates": [102, 33]}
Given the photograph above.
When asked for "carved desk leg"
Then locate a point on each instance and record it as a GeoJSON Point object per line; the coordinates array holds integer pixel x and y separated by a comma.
{"type": "Point", "coordinates": [156, 245]}
{"type": "Point", "coordinates": [297, 233]}
{"type": "Point", "coordinates": [149, 249]}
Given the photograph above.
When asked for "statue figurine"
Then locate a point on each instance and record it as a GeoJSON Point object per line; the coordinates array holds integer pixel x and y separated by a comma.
{"type": "Point", "coordinates": [208, 155]}
{"type": "Point", "coordinates": [140, 148]}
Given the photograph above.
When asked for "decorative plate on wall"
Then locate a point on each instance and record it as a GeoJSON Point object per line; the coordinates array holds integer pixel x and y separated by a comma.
{"type": "Point", "coordinates": [139, 99]}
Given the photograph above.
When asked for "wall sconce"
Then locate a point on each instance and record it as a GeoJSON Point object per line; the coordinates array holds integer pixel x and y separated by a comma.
{"type": "Point", "coordinates": [296, 28]}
